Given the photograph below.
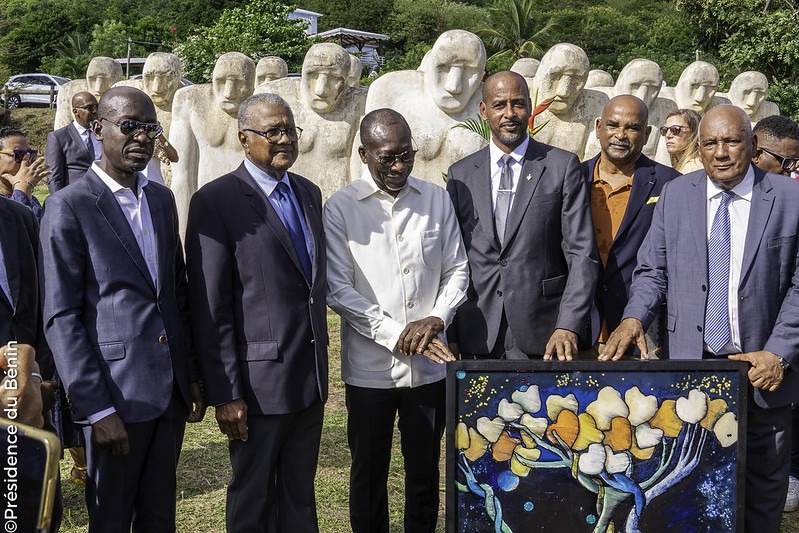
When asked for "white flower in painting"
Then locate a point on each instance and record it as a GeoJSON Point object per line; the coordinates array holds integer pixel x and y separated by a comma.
{"type": "Point", "coordinates": [490, 429]}
{"type": "Point", "coordinates": [538, 426]}
{"type": "Point", "coordinates": [607, 406]}
{"type": "Point", "coordinates": [509, 411]}
{"type": "Point", "coordinates": [726, 429]}
{"type": "Point", "coordinates": [530, 400]}
{"type": "Point", "coordinates": [592, 462]}
{"type": "Point", "coordinates": [646, 436]}
{"type": "Point", "coordinates": [693, 408]}
{"type": "Point", "coordinates": [557, 403]}
{"type": "Point", "coordinates": [616, 462]}
{"type": "Point", "coordinates": [642, 407]}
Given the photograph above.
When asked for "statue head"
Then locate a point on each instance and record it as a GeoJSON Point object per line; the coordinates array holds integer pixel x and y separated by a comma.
{"type": "Point", "coordinates": [356, 69]}
{"type": "Point", "coordinates": [270, 68]}
{"type": "Point", "coordinates": [101, 74]}
{"type": "Point", "coordinates": [161, 77]}
{"type": "Point", "coordinates": [642, 78]}
{"type": "Point", "coordinates": [598, 78]}
{"type": "Point", "coordinates": [748, 90]}
{"type": "Point", "coordinates": [325, 76]}
{"type": "Point", "coordinates": [562, 75]}
{"type": "Point", "coordinates": [233, 80]}
{"type": "Point", "coordinates": [453, 69]}
{"type": "Point", "coordinates": [696, 86]}
{"type": "Point", "coordinates": [527, 67]}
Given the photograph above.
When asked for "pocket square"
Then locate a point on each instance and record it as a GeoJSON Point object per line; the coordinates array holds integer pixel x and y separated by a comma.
{"type": "Point", "coordinates": [652, 200]}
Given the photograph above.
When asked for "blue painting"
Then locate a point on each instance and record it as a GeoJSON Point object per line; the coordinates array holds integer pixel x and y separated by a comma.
{"type": "Point", "coordinates": [595, 447]}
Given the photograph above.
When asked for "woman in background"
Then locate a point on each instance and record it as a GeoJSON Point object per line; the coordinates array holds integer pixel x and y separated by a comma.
{"type": "Point", "coordinates": [682, 133]}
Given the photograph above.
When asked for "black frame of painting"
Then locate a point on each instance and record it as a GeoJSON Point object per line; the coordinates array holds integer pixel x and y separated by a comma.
{"type": "Point", "coordinates": [515, 367]}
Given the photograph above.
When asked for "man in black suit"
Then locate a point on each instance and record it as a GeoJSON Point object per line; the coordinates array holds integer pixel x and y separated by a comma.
{"type": "Point", "coordinates": [524, 214]}
{"type": "Point", "coordinates": [71, 150]}
{"type": "Point", "coordinates": [625, 186]}
{"type": "Point", "coordinates": [256, 259]}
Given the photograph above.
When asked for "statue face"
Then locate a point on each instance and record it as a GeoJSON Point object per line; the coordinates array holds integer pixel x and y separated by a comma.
{"type": "Point", "coordinates": [562, 75]}
{"type": "Point", "coordinates": [325, 75]}
{"type": "Point", "coordinates": [232, 85]}
{"type": "Point", "coordinates": [453, 74]}
{"type": "Point", "coordinates": [748, 91]}
{"type": "Point", "coordinates": [643, 81]}
{"type": "Point", "coordinates": [160, 81]}
{"type": "Point", "coordinates": [270, 68]}
{"type": "Point", "coordinates": [99, 78]}
{"type": "Point", "coordinates": [696, 87]}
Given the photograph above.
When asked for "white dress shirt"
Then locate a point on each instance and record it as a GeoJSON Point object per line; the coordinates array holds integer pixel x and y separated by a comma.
{"type": "Point", "coordinates": [391, 261]}
{"type": "Point", "coordinates": [137, 213]}
{"type": "Point", "coordinates": [739, 208]}
{"type": "Point", "coordinates": [88, 134]}
{"type": "Point", "coordinates": [517, 156]}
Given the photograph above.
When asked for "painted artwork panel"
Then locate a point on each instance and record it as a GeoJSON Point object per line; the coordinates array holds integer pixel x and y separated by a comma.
{"type": "Point", "coordinates": [595, 447]}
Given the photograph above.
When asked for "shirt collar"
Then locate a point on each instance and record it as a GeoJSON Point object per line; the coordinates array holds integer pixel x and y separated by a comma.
{"type": "Point", "coordinates": [81, 129]}
{"type": "Point", "coordinates": [367, 187]}
{"type": "Point", "coordinates": [742, 190]}
{"type": "Point", "coordinates": [264, 179]}
{"type": "Point", "coordinates": [495, 153]}
{"type": "Point", "coordinates": [115, 186]}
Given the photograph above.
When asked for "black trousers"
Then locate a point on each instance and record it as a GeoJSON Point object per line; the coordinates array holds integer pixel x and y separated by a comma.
{"type": "Point", "coordinates": [272, 489]}
{"type": "Point", "coordinates": [370, 428]}
{"type": "Point", "coordinates": [138, 487]}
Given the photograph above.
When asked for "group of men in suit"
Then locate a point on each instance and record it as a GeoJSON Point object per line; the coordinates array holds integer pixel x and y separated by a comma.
{"type": "Point", "coordinates": [542, 256]}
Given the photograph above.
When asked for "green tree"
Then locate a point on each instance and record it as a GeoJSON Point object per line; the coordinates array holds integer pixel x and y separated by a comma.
{"type": "Point", "coordinates": [515, 29]}
{"type": "Point", "coordinates": [256, 30]}
{"type": "Point", "coordinates": [73, 56]}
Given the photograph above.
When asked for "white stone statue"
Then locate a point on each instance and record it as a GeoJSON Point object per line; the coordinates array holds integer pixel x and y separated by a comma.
{"type": "Point", "coordinates": [101, 74]}
{"type": "Point", "coordinates": [562, 75]}
{"type": "Point", "coordinates": [444, 90]}
{"type": "Point", "coordinates": [270, 68]}
{"type": "Point", "coordinates": [527, 67]}
{"type": "Point", "coordinates": [696, 88]}
{"type": "Point", "coordinates": [204, 127]}
{"type": "Point", "coordinates": [748, 91]}
{"type": "Point", "coordinates": [328, 110]}
{"type": "Point", "coordinates": [598, 78]}
{"type": "Point", "coordinates": [356, 69]}
{"type": "Point", "coordinates": [644, 79]}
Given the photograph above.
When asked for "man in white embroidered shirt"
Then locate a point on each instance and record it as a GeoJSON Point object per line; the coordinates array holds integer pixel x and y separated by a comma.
{"type": "Point", "coordinates": [397, 271]}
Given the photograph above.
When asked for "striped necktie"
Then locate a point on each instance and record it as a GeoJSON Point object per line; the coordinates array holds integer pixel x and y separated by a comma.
{"type": "Point", "coordinates": [717, 322]}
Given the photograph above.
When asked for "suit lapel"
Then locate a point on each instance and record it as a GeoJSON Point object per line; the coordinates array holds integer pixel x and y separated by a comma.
{"type": "Point", "coordinates": [697, 215]}
{"type": "Point", "coordinates": [78, 139]}
{"type": "Point", "coordinates": [160, 214]}
{"type": "Point", "coordinates": [312, 220]}
{"type": "Point", "coordinates": [482, 196]}
{"type": "Point", "coordinates": [9, 244]}
{"type": "Point", "coordinates": [643, 182]}
{"type": "Point", "coordinates": [263, 207]}
{"type": "Point", "coordinates": [760, 210]}
{"type": "Point", "coordinates": [526, 184]}
{"type": "Point", "coordinates": [109, 208]}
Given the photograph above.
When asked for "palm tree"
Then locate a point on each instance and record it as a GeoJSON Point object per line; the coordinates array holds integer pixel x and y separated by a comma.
{"type": "Point", "coordinates": [513, 30]}
{"type": "Point", "coordinates": [76, 55]}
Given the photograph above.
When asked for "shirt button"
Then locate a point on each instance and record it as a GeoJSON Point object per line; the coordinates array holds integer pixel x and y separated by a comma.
{"type": "Point", "coordinates": [504, 262]}
{"type": "Point", "coordinates": [400, 238]}
{"type": "Point", "coordinates": [311, 300]}
{"type": "Point", "coordinates": [704, 288]}
{"type": "Point", "coordinates": [410, 305]}
{"type": "Point", "coordinates": [406, 270]}
{"type": "Point", "coordinates": [499, 293]}
{"type": "Point", "coordinates": [162, 339]}
{"type": "Point", "coordinates": [699, 329]}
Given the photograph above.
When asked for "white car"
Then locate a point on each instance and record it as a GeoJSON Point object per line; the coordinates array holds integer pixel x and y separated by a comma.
{"type": "Point", "coordinates": [31, 89]}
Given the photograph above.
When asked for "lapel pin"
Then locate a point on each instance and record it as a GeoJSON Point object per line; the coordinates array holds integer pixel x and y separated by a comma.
{"type": "Point", "coordinates": [529, 177]}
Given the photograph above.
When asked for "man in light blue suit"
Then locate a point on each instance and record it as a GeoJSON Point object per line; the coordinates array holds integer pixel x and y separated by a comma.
{"type": "Point", "coordinates": [722, 250]}
{"type": "Point", "coordinates": [115, 315]}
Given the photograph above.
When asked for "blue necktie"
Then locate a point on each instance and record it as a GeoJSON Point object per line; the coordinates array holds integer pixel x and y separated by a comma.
{"type": "Point", "coordinates": [502, 207]}
{"type": "Point", "coordinates": [717, 322]}
{"type": "Point", "coordinates": [292, 223]}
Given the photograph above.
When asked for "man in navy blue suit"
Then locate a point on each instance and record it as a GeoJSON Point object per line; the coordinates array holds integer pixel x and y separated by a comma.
{"type": "Point", "coordinates": [625, 186]}
{"type": "Point", "coordinates": [116, 318]}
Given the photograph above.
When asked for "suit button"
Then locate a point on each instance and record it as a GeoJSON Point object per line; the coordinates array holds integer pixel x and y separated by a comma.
{"type": "Point", "coordinates": [162, 339]}
{"type": "Point", "coordinates": [704, 288]}
{"type": "Point", "coordinates": [605, 288]}
{"type": "Point", "coordinates": [409, 305]}
{"type": "Point", "coordinates": [499, 293]}
{"type": "Point", "coordinates": [311, 300]}
{"type": "Point", "coordinates": [503, 262]}
{"type": "Point", "coordinates": [699, 329]}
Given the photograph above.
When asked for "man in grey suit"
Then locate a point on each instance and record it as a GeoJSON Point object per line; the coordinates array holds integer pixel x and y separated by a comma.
{"type": "Point", "coordinates": [71, 150]}
{"type": "Point", "coordinates": [116, 318]}
{"type": "Point", "coordinates": [722, 250]}
{"type": "Point", "coordinates": [523, 210]}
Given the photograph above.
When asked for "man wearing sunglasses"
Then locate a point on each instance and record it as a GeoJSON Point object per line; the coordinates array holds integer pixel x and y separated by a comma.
{"type": "Point", "coordinates": [777, 145]}
{"type": "Point", "coordinates": [116, 318]}
{"type": "Point", "coordinates": [256, 257]}
{"type": "Point", "coordinates": [71, 150]}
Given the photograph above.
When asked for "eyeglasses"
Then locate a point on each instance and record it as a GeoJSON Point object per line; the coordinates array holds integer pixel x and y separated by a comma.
{"type": "Point", "coordinates": [389, 161]}
{"type": "Point", "coordinates": [675, 130]}
{"type": "Point", "coordinates": [132, 128]}
{"type": "Point", "coordinates": [273, 135]}
{"type": "Point", "coordinates": [88, 107]}
{"type": "Point", "coordinates": [19, 155]}
{"type": "Point", "coordinates": [791, 164]}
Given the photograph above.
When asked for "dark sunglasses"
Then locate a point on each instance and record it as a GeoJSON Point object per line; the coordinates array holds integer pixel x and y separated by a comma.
{"type": "Point", "coordinates": [88, 107]}
{"type": "Point", "coordinates": [19, 155]}
{"type": "Point", "coordinates": [132, 128]}
{"type": "Point", "coordinates": [675, 130]}
{"type": "Point", "coordinates": [273, 135]}
{"type": "Point", "coordinates": [389, 161]}
{"type": "Point", "coordinates": [791, 164]}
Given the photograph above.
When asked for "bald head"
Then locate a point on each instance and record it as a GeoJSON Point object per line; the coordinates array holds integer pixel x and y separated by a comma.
{"type": "Point", "coordinates": [84, 108]}
{"type": "Point", "coordinates": [726, 145]}
{"type": "Point", "coordinates": [374, 122]}
{"type": "Point", "coordinates": [622, 130]}
{"type": "Point", "coordinates": [129, 99]}
{"type": "Point", "coordinates": [503, 78]}
{"type": "Point", "coordinates": [630, 104]}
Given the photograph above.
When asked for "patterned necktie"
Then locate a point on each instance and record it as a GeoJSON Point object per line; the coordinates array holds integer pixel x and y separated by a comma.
{"type": "Point", "coordinates": [294, 227]}
{"type": "Point", "coordinates": [89, 144]}
{"type": "Point", "coordinates": [502, 207]}
{"type": "Point", "coordinates": [717, 322]}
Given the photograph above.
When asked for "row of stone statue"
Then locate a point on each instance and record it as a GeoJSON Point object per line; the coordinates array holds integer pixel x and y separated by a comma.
{"type": "Point", "coordinates": [328, 103]}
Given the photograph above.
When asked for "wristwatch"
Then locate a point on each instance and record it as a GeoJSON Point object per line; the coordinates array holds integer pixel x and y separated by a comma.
{"type": "Point", "coordinates": [783, 363]}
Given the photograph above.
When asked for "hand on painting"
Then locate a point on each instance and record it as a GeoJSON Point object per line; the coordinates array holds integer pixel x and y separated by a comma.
{"type": "Point", "coordinates": [455, 349]}
{"type": "Point", "coordinates": [438, 352]}
{"type": "Point", "coordinates": [563, 344]}
{"type": "Point", "coordinates": [418, 334]}
{"type": "Point", "coordinates": [232, 419]}
{"type": "Point", "coordinates": [629, 331]}
{"type": "Point", "coordinates": [765, 371]}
